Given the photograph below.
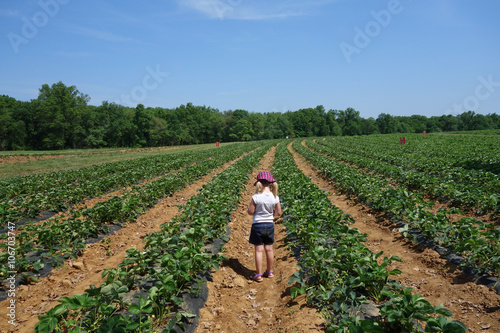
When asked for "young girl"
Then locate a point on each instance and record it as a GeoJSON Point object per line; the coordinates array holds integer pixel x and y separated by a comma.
{"type": "Point", "coordinates": [264, 206]}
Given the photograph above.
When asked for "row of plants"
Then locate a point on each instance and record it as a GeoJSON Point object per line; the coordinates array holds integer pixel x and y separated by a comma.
{"type": "Point", "coordinates": [57, 238]}
{"type": "Point", "coordinates": [21, 186]}
{"type": "Point", "coordinates": [428, 155]}
{"type": "Point", "coordinates": [171, 264]}
{"type": "Point", "coordinates": [27, 196]}
{"type": "Point", "coordinates": [471, 238]}
{"type": "Point", "coordinates": [466, 151]}
{"type": "Point", "coordinates": [469, 190]}
{"type": "Point", "coordinates": [338, 273]}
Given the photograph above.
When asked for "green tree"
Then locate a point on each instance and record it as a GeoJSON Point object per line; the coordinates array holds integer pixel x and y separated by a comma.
{"type": "Point", "coordinates": [432, 125]}
{"type": "Point", "coordinates": [128, 137]}
{"type": "Point", "coordinates": [21, 127]}
{"type": "Point", "coordinates": [350, 122]}
{"type": "Point", "coordinates": [258, 123]}
{"type": "Point", "coordinates": [191, 120]}
{"type": "Point", "coordinates": [238, 126]}
{"type": "Point", "coordinates": [418, 123]}
{"type": "Point", "coordinates": [6, 108]}
{"type": "Point", "coordinates": [466, 121]}
{"type": "Point", "coordinates": [94, 125]}
{"type": "Point", "coordinates": [369, 126]}
{"type": "Point", "coordinates": [116, 121]}
{"type": "Point", "coordinates": [59, 115]}
{"type": "Point", "coordinates": [309, 122]}
{"type": "Point", "coordinates": [208, 124]}
{"type": "Point", "coordinates": [142, 126]}
{"type": "Point", "coordinates": [274, 126]}
{"type": "Point", "coordinates": [322, 128]}
{"type": "Point", "coordinates": [158, 132]}
{"type": "Point", "coordinates": [481, 122]}
{"type": "Point", "coordinates": [215, 126]}
{"type": "Point", "coordinates": [402, 125]}
{"type": "Point", "coordinates": [495, 120]}
{"type": "Point", "coordinates": [386, 123]}
{"type": "Point", "coordinates": [448, 123]}
{"type": "Point", "coordinates": [333, 126]}
{"type": "Point", "coordinates": [241, 131]}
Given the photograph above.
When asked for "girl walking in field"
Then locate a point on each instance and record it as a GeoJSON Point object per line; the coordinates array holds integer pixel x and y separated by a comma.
{"type": "Point", "coordinates": [264, 206]}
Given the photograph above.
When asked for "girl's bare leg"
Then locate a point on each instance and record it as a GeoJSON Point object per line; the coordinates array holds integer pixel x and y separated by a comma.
{"type": "Point", "coordinates": [269, 257]}
{"type": "Point", "coordinates": [259, 249]}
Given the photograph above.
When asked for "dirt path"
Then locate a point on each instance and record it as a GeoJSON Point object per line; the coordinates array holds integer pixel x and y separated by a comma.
{"type": "Point", "coordinates": [41, 156]}
{"type": "Point", "coordinates": [437, 205]}
{"type": "Point", "coordinates": [237, 304]}
{"type": "Point", "coordinates": [90, 203]}
{"type": "Point", "coordinates": [422, 268]}
{"type": "Point", "coordinates": [76, 276]}
{"type": "Point", "coordinates": [30, 158]}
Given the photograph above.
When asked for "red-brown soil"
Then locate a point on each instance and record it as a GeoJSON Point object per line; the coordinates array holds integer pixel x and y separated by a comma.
{"type": "Point", "coordinates": [423, 269]}
{"type": "Point", "coordinates": [29, 158]}
{"type": "Point", "coordinates": [238, 304]}
{"type": "Point", "coordinates": [76, 276]}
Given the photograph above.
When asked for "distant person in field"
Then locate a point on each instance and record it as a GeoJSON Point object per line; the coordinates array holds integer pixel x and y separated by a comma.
{"type": "Point", "coordinates": [265, 205]}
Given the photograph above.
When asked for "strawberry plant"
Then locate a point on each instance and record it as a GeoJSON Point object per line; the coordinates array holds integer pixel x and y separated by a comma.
{"type": "Point", "coordinates": [56, 235]}
{"type": "Point", "coordinates": [338, 274]}
{"type": "Point", "coordinates": [171, 260]}
{"type": "Point", "coordinates": [410, 207]}
{"type": "Point", "coordinates": [26, 196]}
{"type": "Point", "coordinates": [463, 188]}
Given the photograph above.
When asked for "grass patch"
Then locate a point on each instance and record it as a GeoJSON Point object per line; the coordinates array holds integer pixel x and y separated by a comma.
{"type": "Point", "coordinates": [48, 161]}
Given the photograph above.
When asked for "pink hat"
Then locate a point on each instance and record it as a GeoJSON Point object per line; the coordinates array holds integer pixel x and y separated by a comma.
{"type": "Point", "coordinates": [264, 175]}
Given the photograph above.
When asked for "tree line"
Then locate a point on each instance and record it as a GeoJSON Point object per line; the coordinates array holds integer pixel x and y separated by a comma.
{"type": "Point", "coordinates": [61, 118]}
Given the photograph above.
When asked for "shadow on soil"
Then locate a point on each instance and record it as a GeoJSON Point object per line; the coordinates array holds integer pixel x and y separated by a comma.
{"type": "Point", "coordinates": [237, 267]}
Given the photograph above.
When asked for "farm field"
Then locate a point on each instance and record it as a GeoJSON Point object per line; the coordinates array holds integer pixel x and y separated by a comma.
{"type": "Point", "coordinates": [15, 163]}
{"type": "Point", "coordinates": [123, 255]}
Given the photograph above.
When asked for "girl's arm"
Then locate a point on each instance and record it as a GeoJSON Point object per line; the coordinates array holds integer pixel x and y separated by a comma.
{"type": "Point", "coordinates": [277, 209]}
{"type": "Point", "coordinates": [251, 207]}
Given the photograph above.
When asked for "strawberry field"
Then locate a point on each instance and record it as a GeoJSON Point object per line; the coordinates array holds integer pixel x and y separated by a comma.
{"type": "Point", "coordinates": [121, 246]}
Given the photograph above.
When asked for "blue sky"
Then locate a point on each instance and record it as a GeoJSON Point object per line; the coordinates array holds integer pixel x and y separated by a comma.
{"type": "Point", "coordinates": [400, 57]}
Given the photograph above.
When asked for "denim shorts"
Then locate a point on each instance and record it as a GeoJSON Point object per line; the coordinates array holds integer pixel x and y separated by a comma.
{"type": "Point", "coordinates": [262, 233]}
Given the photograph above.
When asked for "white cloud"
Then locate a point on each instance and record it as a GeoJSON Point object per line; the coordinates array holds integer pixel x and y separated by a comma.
{"type": "Point", "coordinates": [104, 35]}
{"type": "Point", "coordinates": [252, 10]}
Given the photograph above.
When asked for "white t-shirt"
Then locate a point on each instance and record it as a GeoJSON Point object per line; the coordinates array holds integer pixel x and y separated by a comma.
{"type": "Point", "coordinates": [264, 207]}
